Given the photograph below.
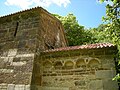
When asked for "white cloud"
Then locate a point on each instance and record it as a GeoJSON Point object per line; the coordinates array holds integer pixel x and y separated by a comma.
{"type": "Point", "coordinates": [44, 3]}
{"type": "Point", "coordinates": [106, 2]}
{"type": "Point", "coordinates": [109, 2]}
{"type": "Point", "coordinates": [20, 3]}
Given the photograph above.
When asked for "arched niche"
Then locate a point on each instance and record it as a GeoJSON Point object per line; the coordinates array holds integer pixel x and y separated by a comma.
{"type": "Point", "coordinates": [47, 65]}
{"type": "Point", "coordinates": [68, 65]}
{"type": "Point", "coordinates": [58, 65]}
{"type": "Point", "coordinates": [94, 63]}
{"type": "Point", "coordinates": [80, 63]}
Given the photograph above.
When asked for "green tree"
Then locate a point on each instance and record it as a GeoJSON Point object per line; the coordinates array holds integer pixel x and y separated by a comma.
{"type": "Point", "coordinates": [76, 34]}
{"type": "Point", "coordinates": [113, 21]}
{"type": "Point", "coordinates": [100, 35]}
{"type": "Point", "coordinates": [113, 26]}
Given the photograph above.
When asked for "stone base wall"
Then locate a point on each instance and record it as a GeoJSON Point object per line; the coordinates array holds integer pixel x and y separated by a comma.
{"type": "Point", "coordinates": [14, 87]}
{"type": "Point", "coordinates": [52, 88]}
{"type": "Point", "coordinates": [28, 87]}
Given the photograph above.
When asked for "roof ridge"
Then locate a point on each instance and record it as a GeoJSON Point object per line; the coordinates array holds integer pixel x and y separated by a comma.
{"type": "Point", "coordinates": [22, 11]}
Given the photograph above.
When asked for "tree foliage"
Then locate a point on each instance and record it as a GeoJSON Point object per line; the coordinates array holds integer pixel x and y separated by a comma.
{"type": "Point", "coordinates": [76, 34]}
{"type": "Point", "coordinates": [113, 21]}
{"type": "Point", "coordinates": [113, 27]}
{"type": "Point", "coordinates": [100, 35]}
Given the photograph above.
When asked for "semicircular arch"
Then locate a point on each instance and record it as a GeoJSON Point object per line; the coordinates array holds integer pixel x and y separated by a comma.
{"type": "Point", "coordinates": [47, 64]}
{"type": "Point", "coordinates": [80, 63]}
{"type": "Point", "coordinates": [94, 63]}
{"type": "Point", "coordinates": [58, 65]}
{"type": "Point", "coordinates": [69, 65]}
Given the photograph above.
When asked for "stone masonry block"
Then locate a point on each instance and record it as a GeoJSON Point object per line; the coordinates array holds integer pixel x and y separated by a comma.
{"type": "Point", "coordinates": [27, 87]}
{"type": "Point", "coordinates": [19, 87]}
{"type": "Point", "coordinates": [105, 74]}
{"type": "Point", "coordinates": [53, 88]}
{"type": "Point", "coordinates": [109, 65]}
{"type": "Point", "coordinates": [19, 63]}
{"type": "Point", "coordinates": [12, 52]}
{"type": "Point", "coordinates": [3, 86]}
{"type": "Point", "coordinates": [95, 85]}
{"type": "Point", "coordinates": [6, 70]}
{"type": "Point", "coordinates": [10, 87]}
{"type": "Point", "coordinates": [108, 84]}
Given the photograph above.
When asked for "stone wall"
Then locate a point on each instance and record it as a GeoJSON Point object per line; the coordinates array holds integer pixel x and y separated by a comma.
{"type": "Point", "coordinates": [24, 35]}
{"type": "Point", "coordinates": [14, 87]}
{"type": "Point", "coordinates": [20, 33]}
{"type": "Point", "coordinates": [50, 33]}
{"type": "Point", "coordinates": [16, 68]}
{"type": "Point", "coordinates": [78, 70]}
{"type": "Point", "coordinates": [18, 47]}
{"type": "Point", "coordinates": [30, 30]}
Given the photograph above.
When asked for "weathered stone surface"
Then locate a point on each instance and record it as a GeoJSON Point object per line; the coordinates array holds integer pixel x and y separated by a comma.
{"type": "Point", "coordinates": [102, 74]}
{"type": "Point", "coordinates": [3, 86]}
{"type": "Point", "coordinates": [80, 83]}
{"type": "Point", "coordinates": [96, 85]}
{"type": "Point", "coordinates": [27, 87]}
{"type": "Point", "coordinates": [21, 35]}
{"type": "Point", "coordinates": [19, 87]}
{"type": "Point", "coordinates": [11, 87]}
{"type": "Point", "coordinates": [19, 63]}
{"type": "Point", "coordinates": [12, 52]}
{"type": "Point", "coordinates": [6, 70]}
{"type": "Point", "coordinates": [14, 87]}
{"type": "Point", "coordinates": [108, 84]}
{"type": "Point", "coordinates": [53, 88]}
{"type": "Point", "coordinates": [79, 75]}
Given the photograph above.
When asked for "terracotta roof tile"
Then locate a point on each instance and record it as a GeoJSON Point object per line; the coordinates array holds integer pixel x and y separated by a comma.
{"type": "Point", "coordinates": [89, 46]}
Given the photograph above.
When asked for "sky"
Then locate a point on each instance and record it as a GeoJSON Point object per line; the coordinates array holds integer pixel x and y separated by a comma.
{"type": "Point", "coordinates": [88, 12]}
